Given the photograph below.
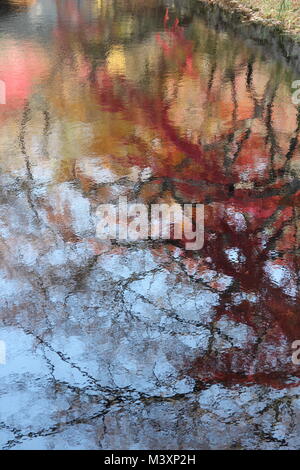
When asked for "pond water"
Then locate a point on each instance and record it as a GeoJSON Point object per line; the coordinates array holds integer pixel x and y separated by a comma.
{"type": "Point", "coordinates": [146, 345]}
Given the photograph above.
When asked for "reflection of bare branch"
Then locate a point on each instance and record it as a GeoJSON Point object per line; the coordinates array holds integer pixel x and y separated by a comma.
{"type": "Point", "coordinates": [46, 131]}
{"type": "Point", "coordinates": [22, 137]}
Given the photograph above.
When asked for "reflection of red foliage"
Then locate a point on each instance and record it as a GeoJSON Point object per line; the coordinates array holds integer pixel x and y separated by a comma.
{"type": "Point", "coordinates": [274, 316]}
{"type": "Point", "coordinates": [174, 41]}
{"type": "Point", "coordinates": [24, 65]}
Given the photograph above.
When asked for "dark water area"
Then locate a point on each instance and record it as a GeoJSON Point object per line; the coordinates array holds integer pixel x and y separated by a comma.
{"type": "Point", "coordinates": [146, 345]}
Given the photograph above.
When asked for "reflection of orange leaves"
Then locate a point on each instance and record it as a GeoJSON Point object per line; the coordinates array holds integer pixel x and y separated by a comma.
{"type": "Point", "coordinates": [23, 3]}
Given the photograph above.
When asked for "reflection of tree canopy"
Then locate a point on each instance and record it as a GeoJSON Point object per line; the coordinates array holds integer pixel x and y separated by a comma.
{"type": "Point", "coordinates": [217, 125]}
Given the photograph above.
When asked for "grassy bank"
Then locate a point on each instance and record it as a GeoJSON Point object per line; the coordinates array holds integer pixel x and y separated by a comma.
{"type": "Point", "coordinates": [283, 14]}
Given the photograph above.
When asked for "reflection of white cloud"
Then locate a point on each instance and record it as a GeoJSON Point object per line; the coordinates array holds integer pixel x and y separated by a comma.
{"type": "Point", "coordinates": [67, 200]}
{"type": "Point", "coordinates": [92, 168]}
{"type": "Point", "coordinates": [236, 219]}
{"type": "Point", "coordinates": [235, 255]}
{"type": "Point", "coordinates": [9, 287]}
{"type": "Point", "coordinates": [281, 277]}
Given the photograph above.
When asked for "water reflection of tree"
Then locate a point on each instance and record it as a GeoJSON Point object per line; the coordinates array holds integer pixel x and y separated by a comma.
{"type": "Point", "coordinates": [207, 116]}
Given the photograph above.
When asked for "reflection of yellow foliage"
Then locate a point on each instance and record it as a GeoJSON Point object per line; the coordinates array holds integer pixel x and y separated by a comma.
{"type": "Point", "coordinates": [116, 63]}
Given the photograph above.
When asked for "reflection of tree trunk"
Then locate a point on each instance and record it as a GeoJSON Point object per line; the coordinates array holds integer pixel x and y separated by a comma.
{"type": "Point", "coordinates": [271, 136]}
{"type": "Point", "coordinates": [294, 142]}
{"type": "Point", "coordinates": [211, 76]}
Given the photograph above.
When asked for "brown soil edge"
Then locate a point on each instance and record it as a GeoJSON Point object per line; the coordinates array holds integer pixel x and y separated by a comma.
{"type": "Point", "coordinates": [250, 15]}
{"type": "Point", "coordinates": [276, 42]}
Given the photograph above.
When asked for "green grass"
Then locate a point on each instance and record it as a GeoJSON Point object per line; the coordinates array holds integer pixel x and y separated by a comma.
{"type": "Point", "coordinates": [285, 11]}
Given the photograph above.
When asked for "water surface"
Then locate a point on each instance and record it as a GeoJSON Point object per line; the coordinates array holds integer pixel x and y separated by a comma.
{"type": "Point", "coordinates": [146, 345]}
